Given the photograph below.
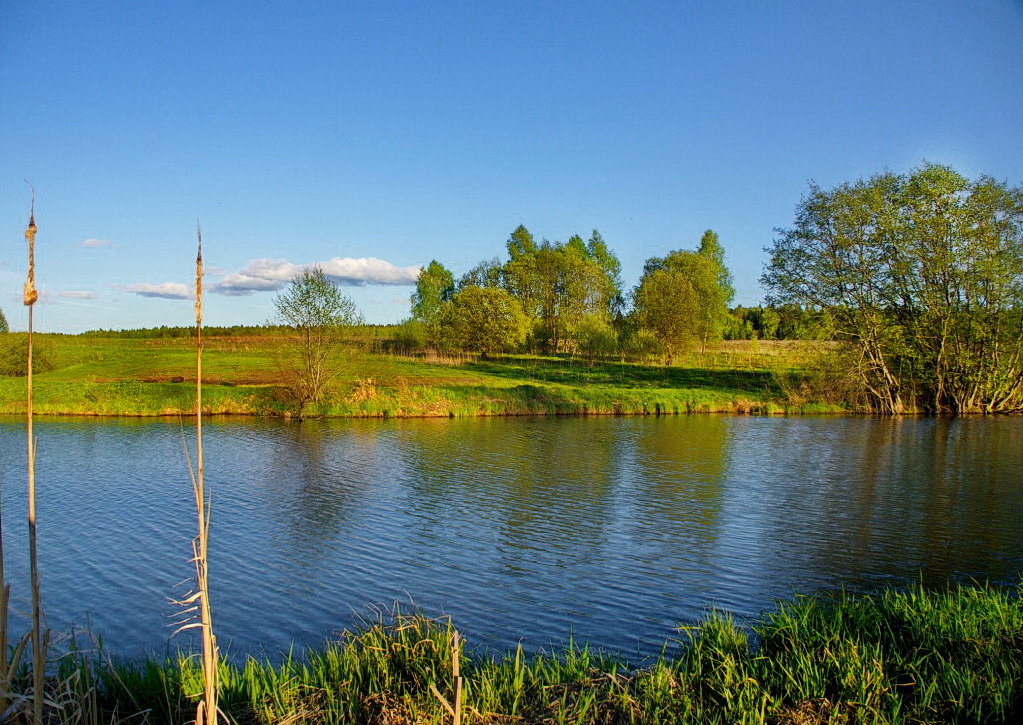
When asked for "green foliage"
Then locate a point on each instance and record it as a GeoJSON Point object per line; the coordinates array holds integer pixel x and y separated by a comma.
{"type": "Point", "coordinates": [605, 259]}
{"type": "Point", "coordinates": [680, 301]}
{"type": "Point", "coordinates": [488, 273]}
{"type": "Point", "coordinates": [3, 323]}
{"type": "Point", "coordinates": [595, 337]}
{"type": "Point", "coordinates": [434, 287]}
{"type": "Point", "coordinates": [893, 658]}
{"type": "Point", "coordinates": [778, 322]}
{"type": "Point", "coordinates": [559, 284]}
{"type": "Point", "coordinates": [410, 336]}
{"type": "Point", "coordinates": [484, 320]}
{"type": "Point", "coordinates": [14, 355]}
{"type": "Point", "coordinates": [922, 276]}
{"type": "Point", "coordinates": [520, 243]}
{"type": "Point", "coordinates": [319, 315]}
{"type": "Point", "coordinates": [710, 246]}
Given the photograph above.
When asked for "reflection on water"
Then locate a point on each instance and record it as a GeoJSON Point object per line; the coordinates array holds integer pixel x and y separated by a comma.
{"type": "Point", "coordinates": [611, 530]}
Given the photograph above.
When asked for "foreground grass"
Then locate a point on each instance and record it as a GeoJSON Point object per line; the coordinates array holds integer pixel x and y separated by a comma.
{"type": "Point", "coordinates": [124, 376]}
{"type": "Point", "coordinates": [954, 656]}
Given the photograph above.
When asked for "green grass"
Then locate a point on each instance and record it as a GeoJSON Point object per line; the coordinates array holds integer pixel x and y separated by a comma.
{"type": "Point", "coordinates": [137, 376]}
{"type": "Point", "coordinates": [952, 656]}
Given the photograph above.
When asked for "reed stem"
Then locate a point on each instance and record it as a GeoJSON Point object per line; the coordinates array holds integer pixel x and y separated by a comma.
{"type": "Point", "coordinates": [207, 710]}
{"type": "Point", "coordinates": [38, 646]}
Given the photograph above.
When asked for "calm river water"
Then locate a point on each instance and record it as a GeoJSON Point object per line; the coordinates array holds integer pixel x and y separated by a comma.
{"type": "Point", "coordinates": [609, 530]}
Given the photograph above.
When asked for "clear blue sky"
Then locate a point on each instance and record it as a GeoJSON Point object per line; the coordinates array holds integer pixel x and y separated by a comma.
{"type": "Point", "coordinates": [333, 132]}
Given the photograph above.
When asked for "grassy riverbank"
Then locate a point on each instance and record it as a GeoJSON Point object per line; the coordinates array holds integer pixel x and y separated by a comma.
{"type": "Point", "coordinates": [121, 376]}
{"type": "Point", "coordinates": [897, 657]}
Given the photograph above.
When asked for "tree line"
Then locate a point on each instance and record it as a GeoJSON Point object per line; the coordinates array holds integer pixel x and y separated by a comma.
{"type": "Point", "coordinates": [917, 277]}
{"type": "Point", "coordinates": [552, 297]}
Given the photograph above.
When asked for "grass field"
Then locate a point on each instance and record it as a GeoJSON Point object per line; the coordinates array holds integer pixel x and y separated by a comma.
{"type": "Point", "coordinates": [114, 375]}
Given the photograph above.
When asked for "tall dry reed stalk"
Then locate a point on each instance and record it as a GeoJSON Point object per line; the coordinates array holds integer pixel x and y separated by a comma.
{"type": "Point", "coordinates": [38, 641]}
{"type": "Point", "coordinates": [206, 714]}
{"type": "Point", "coordinates": [454, 709]}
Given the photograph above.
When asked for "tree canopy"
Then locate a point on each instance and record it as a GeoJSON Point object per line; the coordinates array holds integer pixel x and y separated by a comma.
{"type": "Point", "coordinates": [679, 300]}
{"type": "Point", "coordinates": [3, 323]}
{"type": "Point", "coordinates": [434, 286]}
{"type": "Point", "coordinates": [488, 273]}
{"type": "Point", "coordinates": [710, 247]}
{"type": "Point", "coordinates": [559, 284]}
{"type": "Point", "coordinates": [572, 295]}
{"type": "Point", "coordinates": [683, 297]}
{"type": "Point", "coordinates": [922, 276]}
{"type": "Point", "coordinates": [484, 320]}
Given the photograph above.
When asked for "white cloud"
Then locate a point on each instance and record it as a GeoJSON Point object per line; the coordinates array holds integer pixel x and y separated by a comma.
{"type": "Point", "coordinates": [96, 243]}
{"type": "Point", "coordinates": [262, 275]}
{"type": "Point", "coordinates": [79, 295]}
{"type": "Point", "coordinates": [165, 290]}
{"type": "Point", "coordinates": [368, 270]}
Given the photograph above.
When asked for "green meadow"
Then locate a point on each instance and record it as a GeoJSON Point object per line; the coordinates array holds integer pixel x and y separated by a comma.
{"type": "Point", "coordinates": [120, 375]}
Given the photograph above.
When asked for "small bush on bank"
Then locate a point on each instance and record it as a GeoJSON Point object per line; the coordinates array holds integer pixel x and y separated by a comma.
{"type": "Point", "coordinates": [14, 355]}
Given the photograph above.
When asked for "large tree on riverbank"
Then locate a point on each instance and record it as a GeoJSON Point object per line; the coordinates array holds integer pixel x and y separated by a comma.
{"type": "Point", "coordinates": [922, 275]}
{"type": "Point", "coordinates": [679, 300]}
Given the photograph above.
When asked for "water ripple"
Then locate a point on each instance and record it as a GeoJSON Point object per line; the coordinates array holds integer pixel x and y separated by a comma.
{"type": "Point", "coordinates": [612, 531]}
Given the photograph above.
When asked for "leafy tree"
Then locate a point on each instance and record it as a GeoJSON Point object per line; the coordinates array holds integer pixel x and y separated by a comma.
{"type": "Point", "coordinates": [595, 337]}
{"type": "Point", "coordinates": [710, 246]}
{"type": "Point", "coordinates": [739, 326]}
{"type": "Point", "coordinates": [560, 283]}
{"type": "Point", "coordinates": [487, 273]}
{"type": "Point", "coordinates": [318, 316]}
{"type": "Point", "coordinates": [778, 322]}
{"type": "Point", "coordinates": [678, 300]}
{"type": "Point", "coordinates": [922, 276]}
{"type": "Point", "coordinates": [3, 323]}
{"type": "Point", "coordinates": [520, 243]}
{"type": "Point", "coordinates": [484, 320]}
{"type": "Point", "coordinates": [613, 288]}
{"type": "Point", "coordinates": [434, 286]}
{"type": "Point", "coordinates": [707, 296]}
{"type": "Point", "coordinates": [701, 287]}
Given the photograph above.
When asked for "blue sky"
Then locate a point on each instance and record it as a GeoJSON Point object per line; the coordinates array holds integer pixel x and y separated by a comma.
{"type": "Point", "coordinates": [373, 137]}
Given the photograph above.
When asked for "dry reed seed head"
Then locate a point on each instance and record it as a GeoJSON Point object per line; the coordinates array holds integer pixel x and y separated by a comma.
{"type": "Point", "coordinates": [31, 294]}
{"type": "Point", "coordinates": [198, 289]}
{"type": "Point", "coordinates": [198, 274]}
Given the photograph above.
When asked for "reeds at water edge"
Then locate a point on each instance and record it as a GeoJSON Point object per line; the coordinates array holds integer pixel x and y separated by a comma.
{"type": "Point", "coordinates": [896, 657]}
{"type": "Point", "coordinates": [206, 713]}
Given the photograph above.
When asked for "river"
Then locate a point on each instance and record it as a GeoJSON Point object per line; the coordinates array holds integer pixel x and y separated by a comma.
{"type": "Point", "coordinates": [535, 530]}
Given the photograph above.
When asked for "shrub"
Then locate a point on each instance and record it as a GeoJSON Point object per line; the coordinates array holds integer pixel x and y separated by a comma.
{"type": "Point", "coordinates": [14, 355]}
